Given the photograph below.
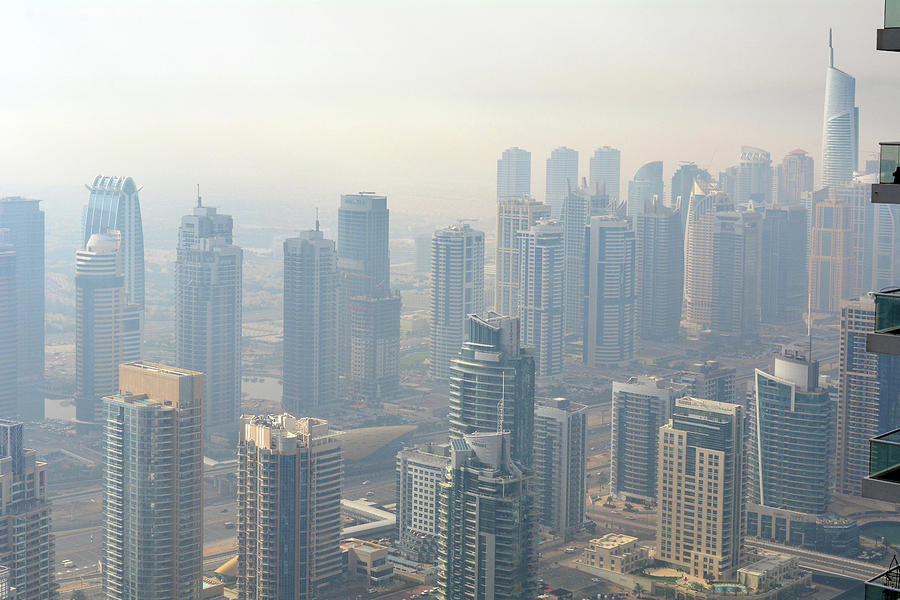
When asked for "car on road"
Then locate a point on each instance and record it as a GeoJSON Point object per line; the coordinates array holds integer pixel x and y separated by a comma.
{"type": "Point", "coordinates": [67, 564]}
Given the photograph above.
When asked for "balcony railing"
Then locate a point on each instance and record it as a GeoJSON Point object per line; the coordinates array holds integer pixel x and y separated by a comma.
{"type": "Point", "coordinates": [886, 586]}
{"type": "Point", "coordinates": [885, 339]}
{"type": "Point", "coordinates": [883, 482]}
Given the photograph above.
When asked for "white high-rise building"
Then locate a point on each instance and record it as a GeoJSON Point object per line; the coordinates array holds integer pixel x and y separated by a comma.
{"type": "Point", "coordinates": [311, 300]}
{"type": "Point", "coordinates": [541, 281]}
{"type": "Point", "coordinates": [208, 300]}
{"type": "Point", "coordinates": [107, 328]}
{"type": "Point", "coordinates": [562, 176]}
{"type": "Point", "coordinates": [513, 215]}
{"type": "Point", "coordinates": [840, 129]}
{"type": "Point", "coordinates": [609, 291]}
{"type": "Point", "coordinates": [457, 290]}
{"type": "Point", "coordinates": [420, 471]}
{"type": "Point", "coordinates": [645, 188]}
{"type": "Point", "coordinates": [560, 433]}
{"type": "Point", "coordinates": [605, 170]}
{"type": "Point", "coordinates": [514, 174]}
{"type": "Point", "coordinates": [640, 406]}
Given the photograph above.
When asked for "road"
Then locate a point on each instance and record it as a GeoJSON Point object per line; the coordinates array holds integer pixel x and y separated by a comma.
{"type": "Point", "coordinates": [822, 563]}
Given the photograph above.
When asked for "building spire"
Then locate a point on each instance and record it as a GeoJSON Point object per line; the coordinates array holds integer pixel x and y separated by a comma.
{"type": "Point", "coordinates": [199, 199]}
{"type": "Point", "coordinates": [830, 50]}
{"type": "Point", "coordinates": [317, 218]}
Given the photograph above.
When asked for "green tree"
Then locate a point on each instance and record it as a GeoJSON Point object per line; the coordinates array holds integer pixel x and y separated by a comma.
{"type": "Point", "coordinates": [78, 595]}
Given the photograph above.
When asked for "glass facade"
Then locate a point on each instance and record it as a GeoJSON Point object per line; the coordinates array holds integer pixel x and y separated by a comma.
{"type": "Point", "coordinates": [891, 14]}
{"type": "Point", "coordinates": [889, 159]}
{"type": "Point", "coordinates": [884, 457]}
{"type": "Point", "coordinates": [887, 312]}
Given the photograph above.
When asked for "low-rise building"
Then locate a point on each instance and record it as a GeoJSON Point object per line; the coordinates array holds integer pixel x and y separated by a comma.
{"type": "Point", "coordinates": [773, 571]}
{"type": "Point", "coordinates": [367, 560]}
{"type": "Point", "coordinates": [616, 552]}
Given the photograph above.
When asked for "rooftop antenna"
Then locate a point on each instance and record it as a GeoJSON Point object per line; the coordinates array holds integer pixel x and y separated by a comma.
{"type": "Point", "coordinates": [501, 403]}
{"type": "Point", "coordinates": [809, 318]}
{"type": "Point", "coordinates": [199, 199]}
{"type": "Point", "coordinates": [317, 218]}
{"type": "Point", "coordinates": [830, 50]}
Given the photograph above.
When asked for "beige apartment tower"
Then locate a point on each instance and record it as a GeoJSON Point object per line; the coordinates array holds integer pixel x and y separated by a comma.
{"type": "Point", "coordinates": [153, 488]}
{"type": "Point", "coordinates": [289, 507]}
{"type": "Point", "coordinates": [700, 492]}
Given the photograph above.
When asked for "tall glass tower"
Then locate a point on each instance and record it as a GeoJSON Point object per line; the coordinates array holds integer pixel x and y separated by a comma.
{"type": "Point", "coordinates": [25, 221]}
{"type": "Point", "coordinates": [562, 176]}
{"type": "Point", "coordinates": [492, 384]}
{"type": "Point", "coordinates": [311, 294]}
{"type": "Point", "coordinates": [114, 204]}
{"type": "Point", "coordinates": [208, 294]}
{"type": "Point", "coordinates": [840, 129]}
{"type": "Point", "coordinates": [514, 174]}
{"type": "Point", "coordinates": [457, 290]}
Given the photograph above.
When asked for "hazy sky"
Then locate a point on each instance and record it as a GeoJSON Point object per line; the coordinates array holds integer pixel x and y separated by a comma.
{"type": "Point", "coordinates": [296, 102]}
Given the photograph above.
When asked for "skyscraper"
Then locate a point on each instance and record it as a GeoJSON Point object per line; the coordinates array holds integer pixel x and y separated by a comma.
{"type": "Point", "coordinates": [736, 273]}
{"type": "Point", "coordinates": [791, 435]}
{"type": "Point", "coordinates": [795, 177]}
{"type": "Point", "coordinates": [311, 295]}
{"type": "Point", "coordinates": [868, 395]}
{"type": "Point", "coordinates": [25, 221]}
{"type": "Point", "coordinates": [700, 491]}
{"type": "Point", "coordinates": [153, 484]}
{"type": "Point", "coordinates": [290, 473]}
{"type": "Point", "coordinates": [493, 373]}
{"type": "Point", "coordinates": [754, 177]}
{"type": "Point", "coordinates": [830, 256]}
{"type": "Point", "coordinates": [370, 334]}
{"type": "Point", "coordinates": [784, 270]}
{"type": "Point", "coordinates": [480, 556]}
{"type": "Point", "coordinates": [114, 205]}
{"type": "Point", "coordinates": [646, 185]}
{"type": "Point", "coordinates": [540, 310]}
{"type": "Point", "coordinates": [640, 406]}
{"type": "Point", "coordinates": [840, 129]}
{"type": "Point", "coordinates": [513, 215]}
{"type": "Point", "coordinates": [27, 547]}
{"type": "Point", "coordinates": [363, 251]}
{"type": "Point", "coordinates": [560, 433]}
{"type": "Point", "coordinates": [8, 329]}
{"type": "Point", "coordinates": [373, 375]}
{"type": "Point", "coordinates": [579, 206]}
{"type": "Point", "coordinates": [420, 471]}
{"type": "Point", "coordinates": [605, 171]}
{"type": "Point", "coordinates": [514, 174]}
{"type": "Point", "coordinates": [703, 205]}
{"type": "Point", "coordinates": [107, 328]}
{"type": "Point", "coordinates": [790, 443]}
{"type": "Point", "coordinates": [659, 272]}
{"type": "Point", "coordinates": [609, 295]}
{"type": "Point", "coordinates": [457, 290]}
{"type": "Point", "coordinates": [208, 299]}
{"type": "Point", "coordinates": [562, 176]}
{"type": "Point", "coordinates": [683, 185]}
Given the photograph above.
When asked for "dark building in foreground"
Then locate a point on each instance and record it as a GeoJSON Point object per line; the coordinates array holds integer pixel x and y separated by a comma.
{"type": "Point", "coordinates": [27, 546]}
{"type": "Point", "coordinates": [493, 373]}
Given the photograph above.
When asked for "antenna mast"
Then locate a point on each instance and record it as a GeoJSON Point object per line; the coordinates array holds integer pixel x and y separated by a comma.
{"type": "Point", "coordinates": [199, 199]}
{"type": "Point", "coordinates": [501, 403]}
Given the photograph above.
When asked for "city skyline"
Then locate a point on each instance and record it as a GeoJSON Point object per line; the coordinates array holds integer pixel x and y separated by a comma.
{"type": "Point", "coordinates": [782, 110]}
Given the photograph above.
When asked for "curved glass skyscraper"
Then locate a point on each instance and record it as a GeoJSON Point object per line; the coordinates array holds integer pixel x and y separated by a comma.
{"type": "Point", "coordinates": [114, 205]}
{"type": "Point", "coordinates": [840, 129]}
